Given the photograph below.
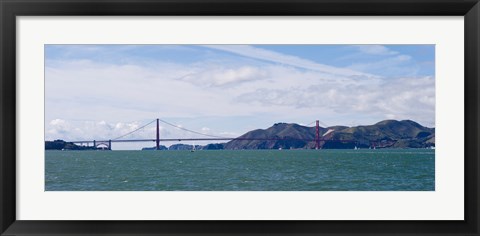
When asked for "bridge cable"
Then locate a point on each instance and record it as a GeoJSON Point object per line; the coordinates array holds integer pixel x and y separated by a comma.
{"type": "Point", "coordinates": [192, 131]}
{"type": "Point", "coordinates": [323, 124]}
{"type": "Point", "coordinates": [134, 130]}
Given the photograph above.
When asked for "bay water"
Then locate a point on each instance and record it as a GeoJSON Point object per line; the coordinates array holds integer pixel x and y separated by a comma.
{"type": "Point", "coordinates": [241, 170]}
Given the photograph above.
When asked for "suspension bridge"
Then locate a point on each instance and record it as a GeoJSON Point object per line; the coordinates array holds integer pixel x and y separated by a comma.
{"type": "Point", "coordinates": [107, 143]}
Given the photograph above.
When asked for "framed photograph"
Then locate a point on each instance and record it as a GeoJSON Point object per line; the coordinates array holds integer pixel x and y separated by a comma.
{"type": "Point", "coordinates": [268, 117]}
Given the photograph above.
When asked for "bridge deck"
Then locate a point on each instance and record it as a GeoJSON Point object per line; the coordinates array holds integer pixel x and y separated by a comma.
{"type": "Point", "coordinates": [205, 139]}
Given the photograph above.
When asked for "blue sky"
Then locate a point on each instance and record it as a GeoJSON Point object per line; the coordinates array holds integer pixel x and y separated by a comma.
{"type": "Point", "coordinates": [103, 91]}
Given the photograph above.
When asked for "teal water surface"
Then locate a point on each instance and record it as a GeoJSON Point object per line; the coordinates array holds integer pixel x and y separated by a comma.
{"type": "Point", "coordinates": [245, 170]}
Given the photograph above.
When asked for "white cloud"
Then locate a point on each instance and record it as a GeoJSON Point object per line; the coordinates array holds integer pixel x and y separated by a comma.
{"type": "Point", "coordinates": [375, 50]}
{"type": "Point", "coordinates": [405, 98]}
{"type": "Point", "coordinates": [92, 91]}
{"type": "Point", "coordinates": [58, 122]}
{"type": "Point", "coordinates": [58, 127]}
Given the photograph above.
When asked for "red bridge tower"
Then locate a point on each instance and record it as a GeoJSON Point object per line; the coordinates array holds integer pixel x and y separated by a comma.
{"type": "Point", "coordinates": [317, 135]}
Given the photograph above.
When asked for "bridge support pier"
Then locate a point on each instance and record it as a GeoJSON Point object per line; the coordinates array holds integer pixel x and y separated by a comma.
{"type": "Point", "coordinates": [110, 144]}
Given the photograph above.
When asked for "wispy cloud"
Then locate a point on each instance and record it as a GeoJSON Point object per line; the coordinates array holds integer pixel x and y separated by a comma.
{"type": "Point", "coordinates": [267, 55]}
{"type": "Point", "coordinates": [391, 66]}
{"type": "Point", "coordinates": [225, 76]}
{"type": "Point", "coordinates": [393, 61]}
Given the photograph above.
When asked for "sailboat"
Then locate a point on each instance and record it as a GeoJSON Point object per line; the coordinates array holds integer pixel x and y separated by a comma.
{"type": "Point", "coordinates": [193, 148]}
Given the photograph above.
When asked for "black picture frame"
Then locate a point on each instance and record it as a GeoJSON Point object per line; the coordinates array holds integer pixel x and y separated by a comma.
{"type": "Point", "coordinates": [10, 9]}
